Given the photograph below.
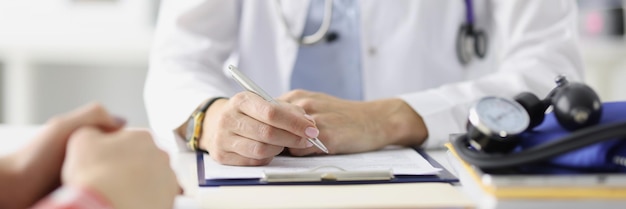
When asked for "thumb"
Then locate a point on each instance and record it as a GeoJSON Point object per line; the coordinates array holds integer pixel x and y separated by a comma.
{"type": "Point", "coordinates": [93, 115]}
{"type": "Point", "coordinates": [61, 127]}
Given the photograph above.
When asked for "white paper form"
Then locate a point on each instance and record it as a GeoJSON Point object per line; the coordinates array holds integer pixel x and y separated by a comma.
{"type": "Point", "coordinates": [401, 161]}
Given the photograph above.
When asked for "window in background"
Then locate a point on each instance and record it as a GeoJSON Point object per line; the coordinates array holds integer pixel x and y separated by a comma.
{"type": "Point", "coordinates": [58, 54]}
{"type": "Point", "coordinates": [601, 26]}
{"type": "Point", "coordinates": [602, 19]}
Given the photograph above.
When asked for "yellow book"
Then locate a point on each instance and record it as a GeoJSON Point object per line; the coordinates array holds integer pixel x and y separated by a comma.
{"type": "Point", "coordinates": [535, 192]}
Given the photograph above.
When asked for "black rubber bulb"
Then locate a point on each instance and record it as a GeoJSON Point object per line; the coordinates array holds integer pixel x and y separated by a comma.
{"type": "Point", "coordinates": [575, 105]}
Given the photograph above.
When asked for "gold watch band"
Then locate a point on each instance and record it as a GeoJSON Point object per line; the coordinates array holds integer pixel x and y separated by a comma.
{"type": "Point", "coordinates": [197, 118]}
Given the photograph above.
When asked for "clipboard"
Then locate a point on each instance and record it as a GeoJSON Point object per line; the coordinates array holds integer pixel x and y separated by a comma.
{"type": "Point", "coordinates": [336, 177]}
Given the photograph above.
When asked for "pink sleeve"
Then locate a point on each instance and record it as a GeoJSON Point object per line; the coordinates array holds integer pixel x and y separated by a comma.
{"type": "Point", "coordinates": [71, 197]}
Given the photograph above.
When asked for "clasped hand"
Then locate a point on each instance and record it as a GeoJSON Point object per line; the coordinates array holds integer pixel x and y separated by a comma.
{"type": "Point", "coordinates": [246, 130]}
{"type": "Point", "coordinates": [89, 148]}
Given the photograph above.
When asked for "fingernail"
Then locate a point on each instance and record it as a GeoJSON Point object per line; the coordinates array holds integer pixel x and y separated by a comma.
{"type": "Point", "coordinates": [119, 120]}
{"type": "Point", "coordinates": [312, 132]}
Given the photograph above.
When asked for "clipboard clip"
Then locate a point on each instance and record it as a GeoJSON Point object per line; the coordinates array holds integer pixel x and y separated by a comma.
{"type": "Point", "coordinates": [315, 175]}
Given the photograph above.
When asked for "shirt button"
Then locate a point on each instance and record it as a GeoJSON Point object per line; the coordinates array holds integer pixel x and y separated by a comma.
{"type": "Point", "coordinates": [372, 51]}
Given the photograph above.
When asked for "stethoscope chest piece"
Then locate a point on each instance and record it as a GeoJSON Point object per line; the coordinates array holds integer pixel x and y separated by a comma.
{"type": "Point", "coordinates": [470, 41]}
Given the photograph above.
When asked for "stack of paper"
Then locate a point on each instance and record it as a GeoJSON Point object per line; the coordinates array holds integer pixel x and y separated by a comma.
{"type": "Point", "coordinates": [523, 191]}
{"type": "Point", "coordinates": [390, 165]}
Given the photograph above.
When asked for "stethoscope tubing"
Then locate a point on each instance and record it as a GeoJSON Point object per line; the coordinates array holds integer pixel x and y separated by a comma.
{"type": "Point", "coordinates": [321, 32]}
{"type": "Point", "coordinates": [324, 28]}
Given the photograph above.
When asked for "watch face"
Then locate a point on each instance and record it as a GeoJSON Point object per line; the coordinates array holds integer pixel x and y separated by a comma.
{"type": "Point", "coordinates": [499, 116]}
{"type": "Point", "coordinates": [191, 123]}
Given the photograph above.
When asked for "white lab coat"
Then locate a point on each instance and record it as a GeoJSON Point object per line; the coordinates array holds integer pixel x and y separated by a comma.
{"type": "Point", "coordinates": [407, 51]}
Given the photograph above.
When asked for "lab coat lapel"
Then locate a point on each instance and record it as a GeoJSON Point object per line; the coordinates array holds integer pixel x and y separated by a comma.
{"type": "Point", "coordinates": [295, 12]}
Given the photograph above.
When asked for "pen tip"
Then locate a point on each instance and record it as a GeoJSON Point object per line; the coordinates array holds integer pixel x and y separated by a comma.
{"type": "Point", "coordinates": [319, 144]}
{"type": "Point", "coordinates": [322, 147]}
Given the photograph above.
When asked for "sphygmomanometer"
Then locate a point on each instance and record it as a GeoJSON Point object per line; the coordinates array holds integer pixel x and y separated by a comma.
{"type": "Point", "coordinates": [496, 126]}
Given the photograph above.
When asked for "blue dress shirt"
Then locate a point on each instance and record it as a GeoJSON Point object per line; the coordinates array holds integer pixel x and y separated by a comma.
{"type": "Point", "coordinates": [331, 67]}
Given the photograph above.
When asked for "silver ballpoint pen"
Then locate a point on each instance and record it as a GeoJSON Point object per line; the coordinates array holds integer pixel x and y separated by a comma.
{"type": "Point", "coordinates": [249, 85]}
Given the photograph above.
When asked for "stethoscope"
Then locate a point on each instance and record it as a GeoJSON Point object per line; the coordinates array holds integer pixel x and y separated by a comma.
{"type": "Point", "coordinates": [470, 40]}
{"type": "Point", "coordinates": [322, 32]}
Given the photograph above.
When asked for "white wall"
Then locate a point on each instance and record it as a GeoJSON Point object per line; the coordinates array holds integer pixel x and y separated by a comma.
{"type": "Point", "coordinates": [605, 65]}
{"type": "Point", "coordinates": [61, 88]}
{"type": "Point", "coordinates": [60, 54]}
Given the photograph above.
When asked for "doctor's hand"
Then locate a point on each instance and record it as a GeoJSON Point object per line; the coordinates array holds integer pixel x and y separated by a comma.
{"type": "Point", "coordinates": [351, 127]}
{"type": "Point", "coordinates": [247, 130]}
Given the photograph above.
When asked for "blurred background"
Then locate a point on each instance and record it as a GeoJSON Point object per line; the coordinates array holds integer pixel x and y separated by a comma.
{"type": "Point", "coordinates": [56, 55]}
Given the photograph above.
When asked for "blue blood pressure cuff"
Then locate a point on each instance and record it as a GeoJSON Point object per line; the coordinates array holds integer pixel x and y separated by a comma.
{"type": "Point", "coordinates": [605, 156]}
{"type": "Point", "coordinates": [618, 156]}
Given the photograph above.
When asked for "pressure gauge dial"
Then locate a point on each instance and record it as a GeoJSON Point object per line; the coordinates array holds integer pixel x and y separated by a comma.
{"type": "Point", "coordinates": [494, 124]}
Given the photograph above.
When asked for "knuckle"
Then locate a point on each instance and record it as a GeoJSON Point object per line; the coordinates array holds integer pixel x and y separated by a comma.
{"type": "Point", "coordinates": [297, 126]}
{"type": "Point", "coordinates": [240, 124]}
{"type": "Point", "coordinates": [270, 112]}
{"type": "Point", "coordinates": [298, 92]}
{"type": "Point", "coordinates": [288, 97]}
{"type": "Point", "coordinates": [294, 94]}
{"type": "Point", "coordinates": [237, 102]}
{"type": "Point", "coordinates": [260, 151]}
{"type": "Point", "coordinates": [307, 104]}
{"type": "Point", "coordinates": [266, 131]}
{"type": "Point", "coordinates": [237, 98]}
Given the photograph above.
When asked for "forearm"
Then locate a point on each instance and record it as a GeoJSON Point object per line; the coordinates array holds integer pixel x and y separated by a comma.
{"type": "Point", "coordinates": [402, 125]}
{"type": "Point", "coordinates": [21, 186]}
{"type": "Point", "coordinates": [25, 179]}
{"type": "Point", "coordinates": [8, 186]}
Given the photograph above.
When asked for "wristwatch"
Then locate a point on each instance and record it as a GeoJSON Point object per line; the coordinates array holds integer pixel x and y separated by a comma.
{"type": "Point", "coordinates": [194, 124]}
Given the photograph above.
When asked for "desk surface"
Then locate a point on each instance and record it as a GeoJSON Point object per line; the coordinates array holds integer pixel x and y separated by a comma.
{"type": "Point", "coordinates": [13, 137]}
